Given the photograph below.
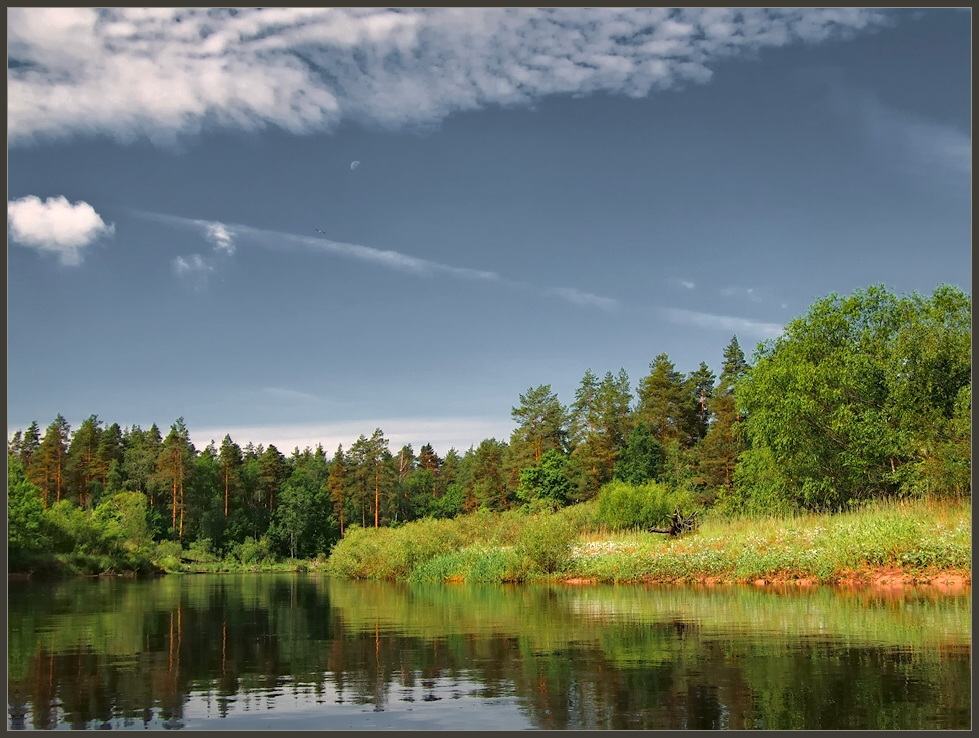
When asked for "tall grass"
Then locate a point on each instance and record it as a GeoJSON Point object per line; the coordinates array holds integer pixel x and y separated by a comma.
{"type": "Point", "coordinates": [577, 542]}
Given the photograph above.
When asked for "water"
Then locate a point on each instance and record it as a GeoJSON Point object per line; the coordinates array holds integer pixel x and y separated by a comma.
{"type": "Point", "coordinates": [303, 651]}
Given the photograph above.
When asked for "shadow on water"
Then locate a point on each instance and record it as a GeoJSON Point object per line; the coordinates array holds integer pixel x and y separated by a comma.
{"type": "Point", "coordinates": [295, 651]}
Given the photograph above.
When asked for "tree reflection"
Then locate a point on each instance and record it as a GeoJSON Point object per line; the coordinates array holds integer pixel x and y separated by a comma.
{"type": "Point", "coordinates": [122, 654]}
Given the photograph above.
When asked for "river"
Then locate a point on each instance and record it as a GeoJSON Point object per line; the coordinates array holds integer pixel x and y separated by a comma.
{"type": "Point", "coordinates": [305, 651]}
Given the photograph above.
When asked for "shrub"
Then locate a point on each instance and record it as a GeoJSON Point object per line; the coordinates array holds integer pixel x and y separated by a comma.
{"type": "Point", "coordinates": [622, 505]}
{"type": "Point", "coordinates": [545, 543]}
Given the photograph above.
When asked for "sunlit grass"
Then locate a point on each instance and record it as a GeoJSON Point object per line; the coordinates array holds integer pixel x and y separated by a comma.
{"type": "Point", "coordinates": [916, 537]}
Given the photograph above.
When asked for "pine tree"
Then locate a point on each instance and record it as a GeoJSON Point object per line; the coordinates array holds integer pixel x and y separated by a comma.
{"type": "Point", "coordinates": [231, 460]}
{"type": "Point", "coordinates": [337, 484]}
{"type": "Point", "coordinates": [173, 466]}
{"type": "Point", "coordinates": [718, 452]}
{"type": "Point", "coordinates": [48, 472]}
{"type": "Point", "coordinates": [664, 401]}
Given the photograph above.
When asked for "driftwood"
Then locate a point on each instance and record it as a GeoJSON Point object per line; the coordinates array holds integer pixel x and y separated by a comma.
{"type": "Point", "coordinates": [679, 524]}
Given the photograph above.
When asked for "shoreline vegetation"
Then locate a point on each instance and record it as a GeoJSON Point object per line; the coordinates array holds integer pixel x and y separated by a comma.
{"type": "Point", "coordinates": [842, 452]}
{"type": "Point", "coordinates": [885, 545]}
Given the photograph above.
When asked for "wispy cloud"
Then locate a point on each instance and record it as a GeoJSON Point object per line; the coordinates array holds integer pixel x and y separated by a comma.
{"type": "Point", "coordinates": [583, 298]}
{"type": "Point", "coordinates": [748, 293]}
{"type": "Point", "coordinates": [192, 264]}
{"type": "Point", "coordinates": [905, 138]}
{"type": "Point", "coordinates": [159, 73]}
{"type": "Point", "coordinates": [685, 283]}
{"type": "Point", "coordinates": [55, 226]}
{"type": "Point", "coordinates": [381, 257]}
{"type": "Point", "coordinates": [727, 323]}
{"type": "Point", "coordinates": [923, 142]}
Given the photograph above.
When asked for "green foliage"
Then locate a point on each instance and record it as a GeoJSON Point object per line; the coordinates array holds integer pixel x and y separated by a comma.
{"type": "Point", "coordinates": [642, 459]}
{"type": "Point", "coordinates": [544, 544]}
{"type": "Point", "coordinates": [121, 521]}
{"type": "Point", "coordinates": [622, 505]}
{"type": "Point", "coordinates": [25, 512]}
{"type": "Point", "coordinates": [167, 555]}
{"type": "Point", "coordinates": [857, 399]}
{"type": "Point", "coordinates": [547, 481]}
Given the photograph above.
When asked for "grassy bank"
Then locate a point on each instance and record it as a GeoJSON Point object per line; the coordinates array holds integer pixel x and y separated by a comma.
{"type": "Point", "coordinates": [914, 539]}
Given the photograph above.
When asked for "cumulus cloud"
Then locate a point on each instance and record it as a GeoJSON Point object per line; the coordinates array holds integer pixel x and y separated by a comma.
{"type": "Point", "coordinates": [56, 226]}
{"type": "Point", "coordinates": [162, 72]}
{"type": "Point", "coordinates": [727, 323]}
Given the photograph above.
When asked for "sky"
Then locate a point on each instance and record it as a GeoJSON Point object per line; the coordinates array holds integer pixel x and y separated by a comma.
{"type": "Point", "coordinates": [295, 226]}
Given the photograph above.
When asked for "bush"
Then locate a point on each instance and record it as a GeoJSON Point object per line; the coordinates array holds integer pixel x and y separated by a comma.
{"type": "Point", "coordinates": [622, 505]}
{"type": "Point", "coordinates": [545, 543]}
{"type": "Point", "coordinates": [167, 555]}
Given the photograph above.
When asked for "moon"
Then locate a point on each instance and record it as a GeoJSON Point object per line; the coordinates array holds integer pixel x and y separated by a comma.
{"type": "Point", "coordinates": [354, 165]}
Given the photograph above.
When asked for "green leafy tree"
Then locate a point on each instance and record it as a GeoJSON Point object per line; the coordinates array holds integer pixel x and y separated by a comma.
{"type": "Point", "coordinates": [122, 522]}
{"type": "Point", "coordinates": [642, 459]}
{"type": "Point", "coordinates": [852, 399]}
{"type": "Point", "coordinates": [303, 519]}
{"type": "Point", "coordinates": [25, 512]}
{"type": "Point", "coordinates": [548, 481]}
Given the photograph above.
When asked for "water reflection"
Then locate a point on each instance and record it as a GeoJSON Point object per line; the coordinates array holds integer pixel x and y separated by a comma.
{"type": "Point", "coordinates": [307, 652]}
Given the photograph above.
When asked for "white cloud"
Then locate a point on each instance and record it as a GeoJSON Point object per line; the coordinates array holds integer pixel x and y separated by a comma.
{"type": "Point", "coordinates": [441, 433]}
{"type": "Point", "coordinates": [727, 323]}
{"type": "Point", "coordinates": [381, 257]}
{"type": "Point", "coordinates": [54, 225]}
{"type": "Point", "coordinates": [685, 283]}
{"type": "Point", "coordinates": [161, 73]}
{"type": "Point", "coordinates": [193, 264]}
{"type": "Point", "coordinates": [220, 236]}
{"type": "Point", "coordinates": [354, 165]}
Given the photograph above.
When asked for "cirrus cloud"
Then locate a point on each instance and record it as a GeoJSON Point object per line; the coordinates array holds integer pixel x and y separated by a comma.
{"type": "Point", "coordinates": [55, 226]}
{"type": "Point", "coordinates": [159, 73]}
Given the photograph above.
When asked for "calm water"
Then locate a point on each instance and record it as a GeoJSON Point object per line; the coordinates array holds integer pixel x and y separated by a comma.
{"type": "Point", "coordinates": [308, 652]}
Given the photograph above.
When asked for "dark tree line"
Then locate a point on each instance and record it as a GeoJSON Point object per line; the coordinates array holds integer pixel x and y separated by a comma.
{"type": "Point", "coordinates": [864, 396]}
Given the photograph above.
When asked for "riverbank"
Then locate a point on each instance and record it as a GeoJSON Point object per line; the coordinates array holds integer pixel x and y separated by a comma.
{"type": "Point", "coordinates": [885, 544]}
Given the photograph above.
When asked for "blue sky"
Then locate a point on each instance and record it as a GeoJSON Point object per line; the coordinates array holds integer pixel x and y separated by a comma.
{"type": "Point", "coordinates": [507, 198]}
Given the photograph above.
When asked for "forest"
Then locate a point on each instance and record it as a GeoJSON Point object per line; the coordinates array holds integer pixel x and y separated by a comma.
{"type": "Point", "coordinates": [865, 397]}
